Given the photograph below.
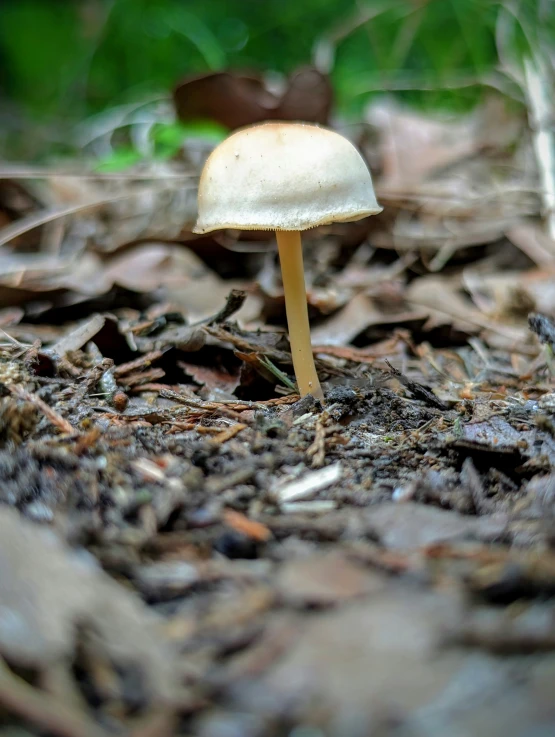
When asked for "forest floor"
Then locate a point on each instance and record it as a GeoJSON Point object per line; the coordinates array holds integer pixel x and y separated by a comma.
{"type": "Point", "coordinates": [189, 548]}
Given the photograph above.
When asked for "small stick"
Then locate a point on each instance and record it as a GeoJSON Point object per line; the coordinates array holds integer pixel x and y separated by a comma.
{"type": "Point", "coordinates": [38, 708]}
{"type": "Point", "coordinates": [184, 426]}
{"type": "Point", "coordinates": [317, 451]}
{"type": "Point", "coordinates": [540, 112]}
{"type": "Point", "coordinates": [149, 387]}
{"type": "Point", "coordinates": [231, 432]}
{"type": "Point", "coordinates": [242, 523]}
{"type": "Point", "coordinates": [137, 363]}
{"type": "Point", "coordinates": [142, 377]}
{"type": "Point", "coordinates": [57, 420]}
{"type": "Point", "coordinates": [236, 404]}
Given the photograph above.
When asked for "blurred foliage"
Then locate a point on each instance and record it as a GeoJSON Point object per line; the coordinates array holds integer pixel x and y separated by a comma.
{"type": "Point", "coordinates": [69, 59]}
{"type": "Point", "coordinates": [164, 142]}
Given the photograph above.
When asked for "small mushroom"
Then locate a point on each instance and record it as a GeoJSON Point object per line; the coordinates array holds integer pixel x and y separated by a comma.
{"type": "Point", "coordinates": [286, 177]}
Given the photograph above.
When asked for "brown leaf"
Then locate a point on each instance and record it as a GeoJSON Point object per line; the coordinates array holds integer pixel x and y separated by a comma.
{"type": "Point", "coordinates": [309, 97]}
{"type": "Point", "coordinates": [324, 580]}
{"type": "Point", "coordinates": [48, 593]}
{"type": "Point", "coordinates": [356, 317]}
{"type": "Point", "coordinates": [510, 295]}
{"type": "Point", "coordinates": [414, 145]}
{"type": "Point", "coordinates": [407, 525]}
{"type": "Point", "coordinates": [359, 663]}
{"type": "Point", "coordinates": [233, 100]}
{"type": "Point", "coordinates": [236, 100]}
{"type": "Point", "coordinates": [211, 377]}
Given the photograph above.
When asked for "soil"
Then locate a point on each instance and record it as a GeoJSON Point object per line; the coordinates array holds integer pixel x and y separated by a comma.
{"type": "Point", "coordinates": [382, 564]}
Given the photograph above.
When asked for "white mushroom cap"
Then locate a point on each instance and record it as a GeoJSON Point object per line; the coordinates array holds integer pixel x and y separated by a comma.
{"type": "Point", "coordinates": [284, 176]}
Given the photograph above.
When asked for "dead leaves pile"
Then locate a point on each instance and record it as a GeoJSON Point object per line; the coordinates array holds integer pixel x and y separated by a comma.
{"type": "Point", "coordinates": [461, 216]}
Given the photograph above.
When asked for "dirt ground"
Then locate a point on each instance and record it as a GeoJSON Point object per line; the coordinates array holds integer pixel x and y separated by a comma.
{"type": "Point", "coordinates": [189, 548]}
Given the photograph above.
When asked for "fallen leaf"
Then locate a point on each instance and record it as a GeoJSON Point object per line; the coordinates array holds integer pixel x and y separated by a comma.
{"type": "Point", "coordinates": [408, 525]}
{"type": "Point", "coordinates": [415, 145]}
{"type": "Point", "coordinates": [325, 580]}
{"type": "Point", "coordinates": [360, 664]}
{"type": "Point", "coordinates": [48, 592]}
{"type": "Point", "coordinates": [211, 377]}
{"type": "Point", "coordinates": [236, 100]}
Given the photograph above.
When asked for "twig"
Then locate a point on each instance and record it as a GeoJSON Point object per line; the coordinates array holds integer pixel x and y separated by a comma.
{"type": "Point", "coordinates": [250, 528]}
{"type": "Point", "coordinates": [245, 346]}
{"type": "Point", "coordinates": [42, 217]}
{"type": "Point", "coordinates": [142, 377]}
{"type": "Point", "coordinates": [57, 420]}
{"type": "Point", "coordinates": [540, 114]}
{"type": "Point", "coordinates": [185, 426]}
{"type": "Point", "coordinates": [317, 451]}
{"type": "Point", "coordinates": [187, 401]}
{"type": "Point", "coordinates": [138, 363]}
{"type": "Point", "coordinates": [200, 405]}
{"type": "Point", "coordinates": [20, 171]}
{"type": "Point", "coordinates": [231, 432]}
{"type": "Point", "coordinates": [238, 405]}
{"type": "Point", "coordinates": [234, 301]}
{"type": "Point", "coordinates": [77, 338]}
{"type": "Point", "coordinates": [18, 697]}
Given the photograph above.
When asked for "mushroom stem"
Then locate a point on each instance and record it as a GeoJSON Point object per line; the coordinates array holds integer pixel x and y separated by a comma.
{"type": "Point", "coordinates": [292, 273]}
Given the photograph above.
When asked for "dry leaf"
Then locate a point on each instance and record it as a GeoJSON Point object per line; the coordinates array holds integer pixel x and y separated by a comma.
{"type": "Point", "coordinates": [236, 100]}
{"type": "Point", "coordinates": [48, 592]}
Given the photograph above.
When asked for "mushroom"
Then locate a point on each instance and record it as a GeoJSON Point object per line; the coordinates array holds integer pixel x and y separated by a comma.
{"type": "Point", "coordinates": [286, 177]}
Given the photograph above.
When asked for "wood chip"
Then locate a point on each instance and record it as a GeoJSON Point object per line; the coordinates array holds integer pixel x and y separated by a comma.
{"type": "Point", "coordinates": [79, 337]}
{"type": "Point", "coordinates": [309, 484]}
{"type": "Point", "coordinates": [248, 527]}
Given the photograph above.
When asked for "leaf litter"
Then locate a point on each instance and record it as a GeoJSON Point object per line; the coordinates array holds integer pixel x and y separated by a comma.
{"type": "Point", "coordinates": [187, 546]}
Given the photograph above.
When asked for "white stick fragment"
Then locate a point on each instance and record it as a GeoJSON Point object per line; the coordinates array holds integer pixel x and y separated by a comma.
{"type": "Point", "coordinates": [540, 114]}
{"type": "Point", "coordinates": [316, 506]}
{"type": "Point", "coordinates": [309, 484]}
